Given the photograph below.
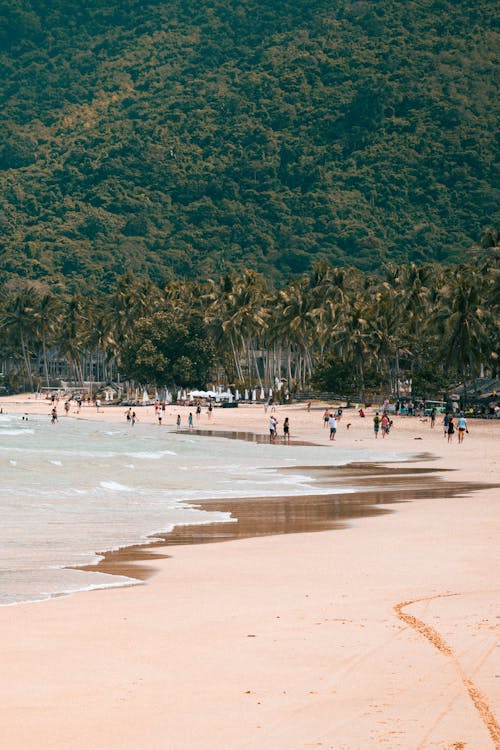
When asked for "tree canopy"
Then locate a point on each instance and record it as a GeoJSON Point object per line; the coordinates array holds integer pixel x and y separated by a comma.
{"type": "Point", "coordinates": [187, 139]}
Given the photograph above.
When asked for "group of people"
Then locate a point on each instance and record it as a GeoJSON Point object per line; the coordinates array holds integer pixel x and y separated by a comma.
{"type": "Point", "coordinates": [382, 423]}
{"type": "Point", "coordinates": [330, 419]}
{"type": "Point", "coordinates": [449, 427]}
{"type": "Point", "coordinates": [273, 429]}
{"type": "Point", "coordinates": [131, 417]}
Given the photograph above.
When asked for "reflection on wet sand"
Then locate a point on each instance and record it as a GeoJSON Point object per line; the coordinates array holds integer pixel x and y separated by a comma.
{"type": "Point", "coordinates": [379, 486]}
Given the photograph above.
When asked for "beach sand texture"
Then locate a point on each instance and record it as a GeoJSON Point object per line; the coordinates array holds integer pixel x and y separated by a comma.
{"type": "Point", "coordinates": [381, 634]}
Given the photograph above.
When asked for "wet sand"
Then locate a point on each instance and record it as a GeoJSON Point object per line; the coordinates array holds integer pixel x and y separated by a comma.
{"type": "Point", "coordinates": [268, 516]}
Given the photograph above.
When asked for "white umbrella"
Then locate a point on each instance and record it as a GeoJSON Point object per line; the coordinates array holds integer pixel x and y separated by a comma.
{"type": "Point", "coordinates": [145, 397]}
{"type": "Point", "coordinates": [178, 395]}
{"type": "Point", "coordinates": [254, 395]}
{"type": "Point", "coordinates": [270, 392]}
{"type": "Point", "coordinates": [262, 394]}
{"type": "Point", "coordinates": [238, 397]}
{"type": "Point", "coordinates": [246, 394]}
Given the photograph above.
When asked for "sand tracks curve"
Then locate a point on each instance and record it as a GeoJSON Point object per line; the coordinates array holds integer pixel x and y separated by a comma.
{"type": "Point", "coordinates": [427, 631]}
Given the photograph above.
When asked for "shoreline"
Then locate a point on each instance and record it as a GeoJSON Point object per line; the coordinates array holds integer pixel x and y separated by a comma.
{"type": "Point", "coordinates": [383, 634]}
{"type": "Point", "coordinates": [295, 514]}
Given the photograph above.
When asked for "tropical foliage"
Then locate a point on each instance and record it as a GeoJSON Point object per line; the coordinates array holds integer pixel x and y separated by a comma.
{"type": "Point", "coordinates": [344, 331]}
{"type": "Point", "coordinates": [190, 139]}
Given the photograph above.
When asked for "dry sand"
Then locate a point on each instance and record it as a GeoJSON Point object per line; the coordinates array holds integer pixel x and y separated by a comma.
{"type": "Point", "coordinates": [383, 634]}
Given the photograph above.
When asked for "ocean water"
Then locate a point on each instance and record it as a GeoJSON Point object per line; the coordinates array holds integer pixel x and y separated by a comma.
{"type": "Point", "coordinates": [73, 490]}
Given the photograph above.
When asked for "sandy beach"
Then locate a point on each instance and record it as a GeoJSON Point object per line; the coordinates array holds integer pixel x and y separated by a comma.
{"type": "Point", "coordinates": [380, 631]}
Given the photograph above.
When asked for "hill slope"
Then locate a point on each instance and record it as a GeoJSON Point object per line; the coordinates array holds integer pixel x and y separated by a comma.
{"type": "Point", "coordinates": [180, 138]}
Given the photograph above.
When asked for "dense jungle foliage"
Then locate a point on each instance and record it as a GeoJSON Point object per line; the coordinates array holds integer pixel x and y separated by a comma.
{"type": "Point", "coordinates": [341, 330]}
{"type": "Point", "coordinates": [192, 139]}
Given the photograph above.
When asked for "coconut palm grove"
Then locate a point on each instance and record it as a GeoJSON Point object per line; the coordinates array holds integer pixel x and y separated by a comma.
{"type": "Point", "coordinates": [248, 193]}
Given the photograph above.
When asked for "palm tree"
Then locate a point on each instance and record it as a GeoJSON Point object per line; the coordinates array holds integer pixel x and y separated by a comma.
{"type": "Point", "coordinates": [73, 333]}
{"type": "Point", "coordinates": [47, 311]}
{"type": "Point", "coordinates": [462, 319]}
{"type": "Point", "coordinates": [236, 312]}
{"type": "Point", "coordinates": [19, 321]}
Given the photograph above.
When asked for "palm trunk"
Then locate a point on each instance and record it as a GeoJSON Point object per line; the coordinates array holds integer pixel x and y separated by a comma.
{"type": "Point", "coordinates": [27, 363]}
{"type": "Point", "coordinates": [45, 363]}
{"type": "Point", "coordinates": [236, 359]}
{"type": "Point", "coordinates": [289, 365]}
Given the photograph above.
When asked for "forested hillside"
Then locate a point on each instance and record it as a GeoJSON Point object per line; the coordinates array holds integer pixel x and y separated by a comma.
{"type": "Point", "coordinates": [187, 138]}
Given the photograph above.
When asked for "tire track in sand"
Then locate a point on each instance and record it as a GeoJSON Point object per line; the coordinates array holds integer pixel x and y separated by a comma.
{"type": "Point", "coordinates": [485, 713]}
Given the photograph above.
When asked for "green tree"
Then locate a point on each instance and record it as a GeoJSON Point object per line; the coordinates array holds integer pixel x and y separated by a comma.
{"type": "Point", "coordinates": [166, 350]}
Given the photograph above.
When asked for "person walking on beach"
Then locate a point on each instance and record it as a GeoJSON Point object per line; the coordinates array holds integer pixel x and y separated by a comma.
{"type": "Point", "coordinates": [446, 420]}
{"type": "Point", "coordinates": [159, 415]}
{"type": "Point", "coordinates": [462, 428]}
{"type": "Point", "coordinates": [433, 417]}
{"type": "Point", "coordinates": [198, 411]}
{"type": "Point", "coordinates": [53, 416]}
{"type": "Point", "coordinates": [333, 426]}
{"type": "Point", "coordinates": [190, 421]}
{"type": "Point", "coordinates": [451, 430]}
{"type": "Point", "coordinates": [376, 424]}
{"type": "Point", "coordinates": [178, 422]}
{"type": "Point", "coordinates": [128, 415]}
{"type": "Point", "coordinates": [384, 423]}
{"type": "Point", "coordinates": [133, 418]}
{"type": "Point", "coordinates": [210, 407]}
{"type": "Point", "coordinates": [326, 417]}
{"type": "Point", "coordinates": [97, 404]}
{"type": "Point", "coordinates": [286, 430]}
